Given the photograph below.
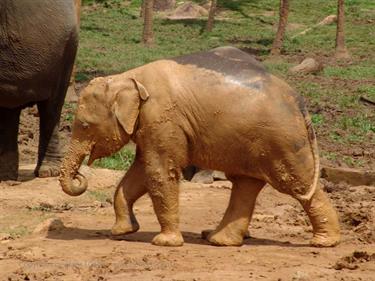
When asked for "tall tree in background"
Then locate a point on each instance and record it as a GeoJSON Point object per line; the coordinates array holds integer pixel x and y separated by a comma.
{"type": "Point", "coordinates": [341, 51]}
{"type": "Point", "coordinates": [148, 34]}
{"type": "Point", "coordinates": [283, 20]}
{"type": "Point", "coordinates": [211, 16]}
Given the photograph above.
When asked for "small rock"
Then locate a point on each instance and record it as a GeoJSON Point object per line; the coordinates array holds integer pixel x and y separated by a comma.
{"type": "Point", "coordinates": [52, 224]}
{"type": "Point", "coordinates": [328, 20]}
{"type": "Point", "coordinates": [218, 175]}
{"type": "Point", "coordinates": [308, 65]}
{"type": "Point", "coordinates": [203, 176]}
{"type": "Point", "coordinates": [188, 10]}
{"type": "Point", "coordinates": [351, 176]}
{"type": "Point", "coordinates": [300, 276]}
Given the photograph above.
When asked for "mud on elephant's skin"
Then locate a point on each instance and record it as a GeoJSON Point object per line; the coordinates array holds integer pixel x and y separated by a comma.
{"type": "Point", "coordinates": [180, 112]}
{"type": "Point", "coordinates": [39, 40]}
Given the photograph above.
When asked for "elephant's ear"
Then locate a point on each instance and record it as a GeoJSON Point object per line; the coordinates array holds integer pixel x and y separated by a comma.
{"type": "Point", "coordinates": [141, 89]}
{"type": "Point", "coordinates": [126, 105]}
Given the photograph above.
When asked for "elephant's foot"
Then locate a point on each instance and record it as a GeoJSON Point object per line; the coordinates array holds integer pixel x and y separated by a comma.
{"type": "Point", "coordinates": [123, 227]}
{"type": "Point", "coordinates": [48, 169]}
{"type": "Point", "coordinates": [207, 232]}
{"type": "Point", "coordinates": [324, 220]}
{"type": "Point", "coordinates": [225, 237]}
{"type": "Point", "coordinates": [324, 240]}
{"type": "Point", "coordinates": [173, 239]}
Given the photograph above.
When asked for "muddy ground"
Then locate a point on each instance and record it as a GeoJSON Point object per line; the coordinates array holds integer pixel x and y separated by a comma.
{"type": "Point", "coordinates": [47, 235]}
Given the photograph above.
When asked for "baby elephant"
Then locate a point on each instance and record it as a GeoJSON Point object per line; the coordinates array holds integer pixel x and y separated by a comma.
{"type": "Point", "coordinates": [217, 110]}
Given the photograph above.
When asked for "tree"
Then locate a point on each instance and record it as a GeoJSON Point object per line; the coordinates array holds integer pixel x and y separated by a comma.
{"type": "Point", "coordinates": [283, 20]}
{"type": "Point", "coordinates": [211, 16]}
{"type": "Point", "coordinates": [148, 35]}
{"type": "Point", "coordinates": [341, 51]}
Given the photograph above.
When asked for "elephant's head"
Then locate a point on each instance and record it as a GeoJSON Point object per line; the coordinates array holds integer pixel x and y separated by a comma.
{"type": "Point", "coordinates": [106, 118]}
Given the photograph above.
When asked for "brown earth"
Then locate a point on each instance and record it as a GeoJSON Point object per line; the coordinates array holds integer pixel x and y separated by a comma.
{"type": "Point", "coordinates": [47, 235]}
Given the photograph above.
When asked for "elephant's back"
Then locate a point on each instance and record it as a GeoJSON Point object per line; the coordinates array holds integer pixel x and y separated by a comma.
{"type": "Point", "coordinates": [233, 64]}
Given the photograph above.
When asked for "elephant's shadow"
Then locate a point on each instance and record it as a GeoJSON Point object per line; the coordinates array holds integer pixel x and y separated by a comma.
{"type": "Point", "coordinates": [74, 233]}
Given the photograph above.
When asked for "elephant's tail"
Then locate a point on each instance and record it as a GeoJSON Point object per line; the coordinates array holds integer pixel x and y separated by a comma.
{"type": "Point", "coordinates": [315, 152]}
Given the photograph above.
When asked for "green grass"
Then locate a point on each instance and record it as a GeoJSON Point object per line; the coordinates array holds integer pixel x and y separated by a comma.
{"type": "Point", "coordinates": [121, 160]}
{"type": "Point", "coordinates": [110, 42]}
{"type": "Point", "coordinates": [101, 196]}
{"type": "Point", "coordinates": [16, 232]}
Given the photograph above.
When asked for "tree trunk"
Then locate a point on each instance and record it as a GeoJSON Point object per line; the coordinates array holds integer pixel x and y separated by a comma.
{"type": "Point", "coordinates": [341, 51]}
{"type": "Point", "coordinates": [283, 20]}
{"type": "Point", "coordinates": [148, 35]}
{"type": "Point", "coordinates": [211, 16]}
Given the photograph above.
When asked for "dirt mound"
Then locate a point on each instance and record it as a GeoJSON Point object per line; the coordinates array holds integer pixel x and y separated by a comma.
{"type": "Point", "coordinates": [188, 10]}
{"type": "Point", "coordinates": [354, 260]}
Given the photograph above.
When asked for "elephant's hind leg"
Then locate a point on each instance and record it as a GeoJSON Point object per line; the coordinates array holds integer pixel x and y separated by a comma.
{"type": "Point", "coordinates": [9, 121]}
{"type": "Point", "coordinates": [323, 218]}
{"type": "Point", "coordinates": [129, 190]}
{"type": "Point", "coordinates": [233, 227]}
{"type": "Point", "coordinates": [295, 176]}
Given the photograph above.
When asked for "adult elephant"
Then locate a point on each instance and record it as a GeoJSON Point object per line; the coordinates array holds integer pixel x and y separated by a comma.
{"type": "Point", "coordinates": [38, 44]}
{"type": "Point", "coordinates": [217, 110]}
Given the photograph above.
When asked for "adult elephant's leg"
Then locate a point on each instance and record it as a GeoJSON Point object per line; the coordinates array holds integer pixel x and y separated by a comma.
{"type": "Point", "coordinates": [129, 190]}
{"type": "Point", "coordinates": [50, 150]}
{"type": "Point", "coordinates": [9, 122]}
{"type": "Point", "coordinates": [233, 227]}
{"type": "Point", "coordinates": [50, 153]}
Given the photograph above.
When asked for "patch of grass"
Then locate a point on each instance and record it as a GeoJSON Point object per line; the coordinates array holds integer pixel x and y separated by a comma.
{"type": "Point", "coordinates": [317, 119]}
{"type": "Point", "coordinates": [121, 160]}
{"type": "Point", "coordinates": [367, 90]}
{"type": "Point", "coordinates": [70, 111]}
{"type": "Point", "coordinates": [360, 122]}
{"type": "Point", "coordinates": [357, 72]}
{"type": "Point", "coordinates": [101, 196]}
{"type": "Point", "coordinates": [16, 232]}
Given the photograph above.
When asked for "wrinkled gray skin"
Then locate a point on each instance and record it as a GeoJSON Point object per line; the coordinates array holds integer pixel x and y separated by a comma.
{"type": "Point", "coordinates": [38, 43]}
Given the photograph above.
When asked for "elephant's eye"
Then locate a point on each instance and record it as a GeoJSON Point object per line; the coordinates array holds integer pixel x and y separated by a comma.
{"type": "Point", "coordinates": [85, 125]}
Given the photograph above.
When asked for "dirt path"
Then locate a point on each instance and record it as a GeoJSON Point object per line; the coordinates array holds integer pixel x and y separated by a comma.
{"type": "Point", "coordinates": [77, 245]}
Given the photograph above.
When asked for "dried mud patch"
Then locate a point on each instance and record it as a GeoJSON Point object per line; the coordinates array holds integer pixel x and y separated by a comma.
{"type": "Point", "coordinates": [354, 260]}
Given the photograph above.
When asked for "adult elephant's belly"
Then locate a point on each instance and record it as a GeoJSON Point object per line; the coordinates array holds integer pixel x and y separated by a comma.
{"type": "Point", "coordinates": [15, 95]}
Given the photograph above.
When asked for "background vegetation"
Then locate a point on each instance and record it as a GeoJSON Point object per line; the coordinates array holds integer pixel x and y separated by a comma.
{"type": "Point", "coordinates": [110, 42]}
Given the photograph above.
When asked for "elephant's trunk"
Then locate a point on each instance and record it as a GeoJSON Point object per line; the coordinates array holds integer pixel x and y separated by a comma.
{"type": "Point", "coordinates": [70, 166]}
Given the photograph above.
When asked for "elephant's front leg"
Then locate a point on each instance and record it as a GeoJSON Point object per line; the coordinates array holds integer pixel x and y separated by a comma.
{"type": "Point", "coordinates": [163, 178]}
{"type": "Point", "coordinates": [234, 225]}
{"type": "Point", "coordinates": [129, 190]}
